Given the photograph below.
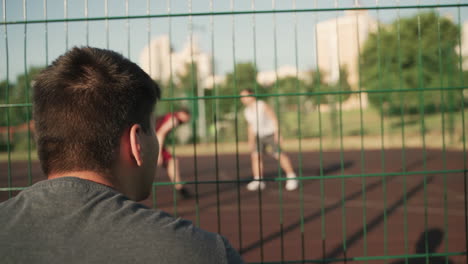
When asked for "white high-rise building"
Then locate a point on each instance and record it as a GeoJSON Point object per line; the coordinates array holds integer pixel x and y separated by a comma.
{"type": "Point", "coordinates": [339, 42]}
{"type": "Point", "coordinates": [464, 51]}
{"type": "Point", "coordinates": [267, 78]}
{"type": "Point", "coordinates": [464, 45]}
{"type": "Point", "coordinates": [155, 59]}
{"type": "Point", "coordinates": [162, 63]}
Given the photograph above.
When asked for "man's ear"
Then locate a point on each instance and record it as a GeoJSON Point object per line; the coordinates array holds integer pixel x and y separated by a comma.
{"type": "Point", "coordinates": [135, 143]}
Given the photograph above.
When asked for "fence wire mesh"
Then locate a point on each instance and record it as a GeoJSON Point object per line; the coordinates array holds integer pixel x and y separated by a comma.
{"type": "Point", "coordinates": [369, 95]}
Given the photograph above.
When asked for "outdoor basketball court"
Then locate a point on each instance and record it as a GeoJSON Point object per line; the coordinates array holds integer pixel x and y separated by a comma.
{"type": "Point", "coordinates": [374, 218]}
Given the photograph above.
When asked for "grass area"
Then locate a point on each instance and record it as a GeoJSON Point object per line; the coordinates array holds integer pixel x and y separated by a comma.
{"type": "Point", "coordinates": [377, 132]}
{"type": "Point", "coordinates": [328, 144]}
{"type": "Point", "coordinates": [18, 155]}
{"type": "Point", "coordinates": [349, 123]}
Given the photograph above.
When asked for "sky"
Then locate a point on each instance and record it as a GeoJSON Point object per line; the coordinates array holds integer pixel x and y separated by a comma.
{"type": "Point", "coordinates": [269, 40]}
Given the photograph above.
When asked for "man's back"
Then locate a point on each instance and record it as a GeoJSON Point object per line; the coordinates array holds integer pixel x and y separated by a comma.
{"type": "Point", "coordinates": [70, 220]}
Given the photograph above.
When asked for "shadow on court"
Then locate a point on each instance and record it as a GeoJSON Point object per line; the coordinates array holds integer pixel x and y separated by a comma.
{"type": "Point", "coordinates": [434, 238]}
{"type": "Point", "coordinates": [336, 167]}
{"type": "Point", "coordinates": [338, 250]}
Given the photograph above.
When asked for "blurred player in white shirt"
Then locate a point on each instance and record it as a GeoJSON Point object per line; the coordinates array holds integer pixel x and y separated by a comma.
{"type": "Point", "coordinates": [263, 133]}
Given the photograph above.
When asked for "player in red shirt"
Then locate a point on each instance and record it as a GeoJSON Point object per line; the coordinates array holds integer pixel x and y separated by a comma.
{"type": "Point", "coordinates": [164, 125]}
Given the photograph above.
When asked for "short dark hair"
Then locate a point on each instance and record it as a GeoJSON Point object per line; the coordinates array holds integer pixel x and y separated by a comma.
{"type": "Point", "coordinates": [82, 104]}
{"type": "Point", "coordinates": [248, 90]}
{"type": "Point", "coordinates": [184, 110]}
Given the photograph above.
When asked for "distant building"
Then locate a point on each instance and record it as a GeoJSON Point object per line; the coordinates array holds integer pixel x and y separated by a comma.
{"type": "Point", "coordinates": [464, 45]}
{"type": "Point", "coordinates": [162, 63]}
{"type": "Point", "coordinates": [464, 51]}
{"type": "Point", "coordinates": [267, 78]}
{"type": "Point", "coordinates": [214, 81]}
{"type": "Point", "coordinates": [339, 42]}
{"type": "Point", "coordinates": [155, 59]}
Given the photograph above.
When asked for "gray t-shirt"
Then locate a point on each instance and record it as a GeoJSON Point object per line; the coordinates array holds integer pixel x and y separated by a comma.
{"type": "Point", "coordinates": [70, 220]}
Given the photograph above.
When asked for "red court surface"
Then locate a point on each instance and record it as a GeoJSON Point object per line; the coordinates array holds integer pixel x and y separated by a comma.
{"type": "Point", "coordinates": [328, 218]}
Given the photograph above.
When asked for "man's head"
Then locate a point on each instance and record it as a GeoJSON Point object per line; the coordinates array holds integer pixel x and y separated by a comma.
{"type": "Point", "coordinates": [247, 96]}
{"type": "Point", "coordinates": [183, 115]}
{"type": "Point", "coordinates": [83, 106]}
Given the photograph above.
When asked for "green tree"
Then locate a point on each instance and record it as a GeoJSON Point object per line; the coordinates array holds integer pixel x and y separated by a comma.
{"type": "Point", "coordinates": [341, 88]}
{"type": "Point", "coordinates": [316, 84]}
{"type": "Point", "coordinates": [4, 85]}
{"type": "Point", "coordinates": [243, 77]}
{"type": "Point", "coordinates": [412, 53]}
{"type": "Point", "coordinates": [19, 93]}
{"type": "Point", "coordinates": [327, 93]}
{"type": "Point", "coordinates": [287, 85]}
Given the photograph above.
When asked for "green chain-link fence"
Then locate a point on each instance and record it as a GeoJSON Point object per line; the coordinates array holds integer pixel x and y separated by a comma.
{"type": "Point", "coordinates": [370, 98]}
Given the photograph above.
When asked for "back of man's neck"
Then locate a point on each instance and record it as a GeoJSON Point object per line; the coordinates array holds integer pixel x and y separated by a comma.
{"type": "Point", "coordinates": [85, 175]}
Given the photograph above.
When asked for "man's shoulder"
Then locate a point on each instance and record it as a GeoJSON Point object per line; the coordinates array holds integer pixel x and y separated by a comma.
{"type": "Point", "coordinates": [105, 222]}
{"type": "Point", "coordinates": [157, 223]}
{"type": "Point", "coordinates": [173, 238]}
